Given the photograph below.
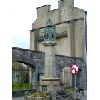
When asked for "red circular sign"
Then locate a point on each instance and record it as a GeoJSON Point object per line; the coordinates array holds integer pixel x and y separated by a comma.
{"type": "Point", "coordinates": [74, 69]}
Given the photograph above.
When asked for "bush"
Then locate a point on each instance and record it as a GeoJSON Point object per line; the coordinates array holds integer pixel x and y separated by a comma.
{"type": "Point", "coordinates": [21, 86]}
{"type": "Point", "coordinates": [68, 91]}
{"type": "Point", "coordinates": [40, 94]}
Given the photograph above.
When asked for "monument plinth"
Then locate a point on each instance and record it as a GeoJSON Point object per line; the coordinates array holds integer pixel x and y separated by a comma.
{"type": "Point", "coordinates": [50, 81]}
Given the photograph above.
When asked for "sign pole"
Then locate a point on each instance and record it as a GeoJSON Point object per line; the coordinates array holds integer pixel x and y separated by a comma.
{"type": "Point", "coordinates": [75, 88]}
{"type": "Point", "coordinates": [74, 69]}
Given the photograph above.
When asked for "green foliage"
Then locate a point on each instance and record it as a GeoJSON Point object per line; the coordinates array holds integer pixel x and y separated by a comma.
{"type": "Point", "coordinates": [21, 86]}
{"type": "Point", "coordinates": [68, 91]}
{"type": "Point", "coordinates": [40, 94]}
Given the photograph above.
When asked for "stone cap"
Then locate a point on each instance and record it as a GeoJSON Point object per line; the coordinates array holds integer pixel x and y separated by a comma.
{"type": "Point", "coordinates": [50, 79]}
{"type": "Point", "coordinates": [43, 6]}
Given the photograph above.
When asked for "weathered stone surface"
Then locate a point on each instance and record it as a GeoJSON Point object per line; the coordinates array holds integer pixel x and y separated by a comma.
{"type": "Point", "coordinates": [21, 93]}
{"type": "Point", "coordinates": [36, 60]}
{"type": "Point", "coordinates": [33, 58]}
{"type": "Point", "coordinates": [61, 62]}
{"type": "Point", "coordinates": [66, 19]}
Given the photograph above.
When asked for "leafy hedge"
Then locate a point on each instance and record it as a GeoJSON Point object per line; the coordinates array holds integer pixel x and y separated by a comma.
{"type": "Point", "coordinates": [40, 94]}
{"type": "Point", "coordinates": [21, 86]}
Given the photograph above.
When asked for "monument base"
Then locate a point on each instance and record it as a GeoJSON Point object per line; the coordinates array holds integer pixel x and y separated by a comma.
{"type": "Point", "coordinates": [50, 84]}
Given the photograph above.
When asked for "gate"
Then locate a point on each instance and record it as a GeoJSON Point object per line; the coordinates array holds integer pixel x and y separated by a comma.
{"type": "Point", "coordinates": [20, 77]}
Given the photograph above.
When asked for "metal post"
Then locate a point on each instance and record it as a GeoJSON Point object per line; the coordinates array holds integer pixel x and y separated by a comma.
{"type": "Point", "coordinates": [75, 88]}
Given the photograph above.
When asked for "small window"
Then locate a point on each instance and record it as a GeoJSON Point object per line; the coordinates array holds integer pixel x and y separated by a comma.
{"type": "Point", "coordinates": [44, 88]}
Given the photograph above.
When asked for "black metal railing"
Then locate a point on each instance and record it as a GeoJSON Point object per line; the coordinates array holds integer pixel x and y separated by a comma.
{"type": "Point", "coordinates": [20, 79]}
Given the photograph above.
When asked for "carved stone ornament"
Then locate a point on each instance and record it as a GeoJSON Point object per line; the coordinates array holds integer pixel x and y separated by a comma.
{"type": "Point", "coordinates": [49, 33]}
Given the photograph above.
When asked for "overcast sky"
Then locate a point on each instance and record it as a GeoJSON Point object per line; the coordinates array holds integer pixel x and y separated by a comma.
{"type": "Point", "coordinates": [20, 14]}
{"type": "Point", "coordinates": [16, 18]}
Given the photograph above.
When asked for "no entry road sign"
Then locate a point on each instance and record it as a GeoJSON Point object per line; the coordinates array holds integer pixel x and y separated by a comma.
{"type": "Point", "coordinates": [74, 69]}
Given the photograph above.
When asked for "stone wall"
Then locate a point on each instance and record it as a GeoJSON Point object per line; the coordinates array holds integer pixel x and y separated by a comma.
{"type": "Point", "coordinates": [36, 60]}
{"type": "Point", "coordinates": [30, 57]}
{"type": "Point", "coordinates": [61, 62]}
{"type": "Point", "coordinates": [21, 93]}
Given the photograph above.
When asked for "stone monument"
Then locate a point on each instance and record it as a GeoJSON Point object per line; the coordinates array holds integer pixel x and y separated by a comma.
{"type": "Point", "coordinates": [50, 82]}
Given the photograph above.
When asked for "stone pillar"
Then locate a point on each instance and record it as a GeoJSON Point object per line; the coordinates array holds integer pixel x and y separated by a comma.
{"type": "Point", "coordinates": [32, 40]}
{"type": "Point", "coordinates": [30, 75]}
{"type": "Point", "coordinates": [50, 81]}
{"type": "Point", "coordinates": [50, 67]}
